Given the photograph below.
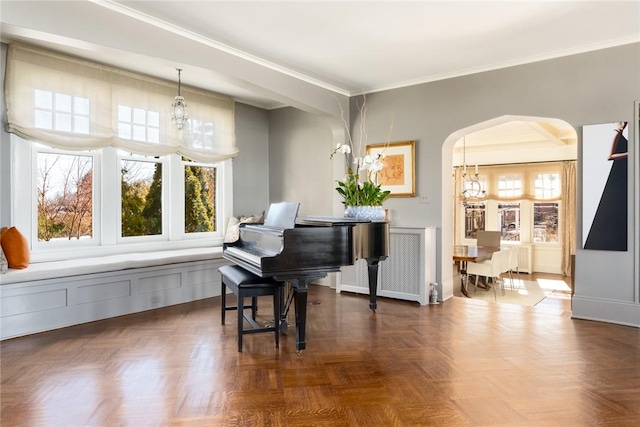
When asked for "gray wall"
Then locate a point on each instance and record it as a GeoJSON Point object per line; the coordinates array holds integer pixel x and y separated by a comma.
{"type": "Point", "coordinates": [595, 87]}
{"type": "Point", "coordinates": [299, 166]}
{"type": "Point", "coordinates": [251, 166]}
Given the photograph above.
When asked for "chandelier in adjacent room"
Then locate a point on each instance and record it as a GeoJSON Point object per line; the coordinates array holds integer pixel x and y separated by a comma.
{"type": "Point", "coordinates": [179, 111]}
{"type": "Point", "coordinates": [471, 186]}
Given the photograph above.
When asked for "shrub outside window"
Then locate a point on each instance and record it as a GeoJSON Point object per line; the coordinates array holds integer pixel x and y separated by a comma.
{"type": "Point", "coordinates": [200, 198]}
{"type": "Point", "coordinates": [141, 198]}
{"type": "Point", "coordinates": [65, 196]}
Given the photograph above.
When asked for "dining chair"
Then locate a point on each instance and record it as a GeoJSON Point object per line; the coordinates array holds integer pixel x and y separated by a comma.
{"type": "Point", "coordinates": [505, 263]}
{"type": "Point", "coordinates": [488, 238]}
{"type": "Point", "coordinates": [514, 254]}
{"type": "Point", "coordinates": [489, 268]}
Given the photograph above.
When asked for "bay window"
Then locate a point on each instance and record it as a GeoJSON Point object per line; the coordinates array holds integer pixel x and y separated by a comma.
{"type": "Point", "coordinates": [522, 201]}
{"type": "Point", "coordinates": [100, 166]}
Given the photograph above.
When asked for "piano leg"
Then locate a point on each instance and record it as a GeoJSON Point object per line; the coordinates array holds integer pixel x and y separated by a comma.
{"type": "Point", "coordinates": [300, 291]}
{"type": "Point", "coordinates": [301, 315]}
{"type": "Point", "coordinates": [372, 269]}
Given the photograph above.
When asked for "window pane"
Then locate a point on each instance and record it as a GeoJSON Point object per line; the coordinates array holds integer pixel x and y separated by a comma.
{"type": "Point", "coordinates": [153, 119]}
{"type": "Point", "coordinates": [199, 133]}
{"type": "Point", "coordinates": [139, 133]}
{"type": "Point", "coordinates": [69, 114]}
{"type": "Point", "coordinates": [124, 130]}
{"type": "Point", "coordinates": [65, 196]}
{"type": "Point", "coordinates": [509, 221]}
{"type": "Point", "coordinates": [199, 195]}
{"type": "Point", "coordinates": [509, 186]}
{"type": "Point", "coordinates": [81, 125]}
{"type": "Point", "coordinates": [139, 116]}
{"type": "Point", "coordinates": [63, 102]}
{"type": "Point", "coordinates": [474, 217]}
{"type": "Point", "coordinates": [138, 124]}
{"type": "Point", "coordinates": [547, 185]}
{"type": "Point", "coordinates": [124, 114]}
{"type": "Point", "coordinates": [141, 198]}
{"type": "Point", "coordinates": [545, 222]}
{"type": "Point", "coordinates": [153, 135]}
{"type": "Point", "coordinates": [44, 119]}
{"type": "Point", "coordinates": [44, 99]}
{"type": "Point", "coordinates": [81, 106]}
{"type": "Point", "coordinates": [63, 122]}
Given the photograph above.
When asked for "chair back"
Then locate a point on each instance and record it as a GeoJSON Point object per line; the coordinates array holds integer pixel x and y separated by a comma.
{"type": "Point", "coordinates": [488, 238]}
{"type": "Point", "coordinates": [505, 259]}
{"type": "Point", "coordinates": [513, 257]}
{"type": "Point", "coordinates": [499, 261]}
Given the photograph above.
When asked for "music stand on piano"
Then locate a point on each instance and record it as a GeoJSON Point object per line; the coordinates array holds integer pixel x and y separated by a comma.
{"type": "Point", "coordinates": [282, 215]}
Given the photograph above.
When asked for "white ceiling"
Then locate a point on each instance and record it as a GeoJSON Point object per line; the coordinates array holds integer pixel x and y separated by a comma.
{"type": "Point", "coordinates": [349, 47]}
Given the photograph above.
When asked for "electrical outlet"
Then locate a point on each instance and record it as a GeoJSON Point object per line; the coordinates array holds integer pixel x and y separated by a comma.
{"type": "Point", "coordinates": [424, 199]}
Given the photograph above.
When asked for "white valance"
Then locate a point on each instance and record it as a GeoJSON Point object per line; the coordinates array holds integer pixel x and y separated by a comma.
{"type": "Point", "coordinates": [100, 93]}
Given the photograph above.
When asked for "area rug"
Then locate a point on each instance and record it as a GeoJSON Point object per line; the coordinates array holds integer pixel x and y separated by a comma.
{"type": "Point", "coordinates": [524, 292]}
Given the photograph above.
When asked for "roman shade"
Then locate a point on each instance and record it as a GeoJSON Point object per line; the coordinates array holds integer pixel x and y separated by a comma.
{"type": "Point", "coordinates": [75, 104]}
{"type": "Point", "coordinates": [514, 182]}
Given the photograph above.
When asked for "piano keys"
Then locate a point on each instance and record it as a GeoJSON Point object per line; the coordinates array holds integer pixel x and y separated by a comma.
{"type": "Point", "coordinates": [306, 251]}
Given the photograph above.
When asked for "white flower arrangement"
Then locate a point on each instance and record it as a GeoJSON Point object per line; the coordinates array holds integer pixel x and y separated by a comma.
{"type": "Point", "coordinates": [360, 186]}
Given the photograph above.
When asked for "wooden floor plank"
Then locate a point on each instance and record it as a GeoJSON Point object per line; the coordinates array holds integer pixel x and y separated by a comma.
{"type": "Point", "coordinates": [461, 363]}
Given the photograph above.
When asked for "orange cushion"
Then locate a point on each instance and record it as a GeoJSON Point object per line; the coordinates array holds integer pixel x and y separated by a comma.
{"type": "Point", "coordinates": [15, 247]}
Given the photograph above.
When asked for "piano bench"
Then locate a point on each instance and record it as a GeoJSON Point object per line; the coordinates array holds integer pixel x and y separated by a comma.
{"type": "Point", "coordinates": [245, 284]}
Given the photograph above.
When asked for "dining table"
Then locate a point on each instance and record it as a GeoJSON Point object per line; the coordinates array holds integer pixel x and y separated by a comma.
{"type": "Point", "coordinates": [465, 253]}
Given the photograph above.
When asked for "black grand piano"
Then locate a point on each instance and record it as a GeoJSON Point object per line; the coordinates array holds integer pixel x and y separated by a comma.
{"type": "Point", "coordinates": [301, 251]}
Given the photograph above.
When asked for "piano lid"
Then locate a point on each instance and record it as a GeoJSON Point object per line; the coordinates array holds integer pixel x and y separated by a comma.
{"type": "Point", "coordinates": [282, 215]}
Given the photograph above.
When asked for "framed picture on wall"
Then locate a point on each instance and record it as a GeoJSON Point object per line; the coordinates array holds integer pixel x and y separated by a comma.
{"type": "Point", "coordinates": [398, 173]}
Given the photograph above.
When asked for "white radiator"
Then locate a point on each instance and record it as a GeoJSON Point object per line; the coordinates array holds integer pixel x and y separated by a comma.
{"type": "Point", "coordinates": [406, 274]}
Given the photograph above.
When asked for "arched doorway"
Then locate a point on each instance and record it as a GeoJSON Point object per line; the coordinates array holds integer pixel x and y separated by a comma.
{"type": "Point", "coordinates": [552, 127]}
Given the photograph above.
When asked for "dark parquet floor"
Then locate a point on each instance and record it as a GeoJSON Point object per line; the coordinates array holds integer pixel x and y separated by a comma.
{"type": "Point", "coordinates": [460, 363]}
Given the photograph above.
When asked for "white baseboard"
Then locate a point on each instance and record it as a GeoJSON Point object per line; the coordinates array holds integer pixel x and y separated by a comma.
{"type": "Point", "coordinates": [618, 312]}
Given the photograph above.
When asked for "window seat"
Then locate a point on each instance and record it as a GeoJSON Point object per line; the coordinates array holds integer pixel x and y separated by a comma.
{"type": "Point", "coordinates": [103, 264]}
{"type": "Point", "coordinates": [55, 294]}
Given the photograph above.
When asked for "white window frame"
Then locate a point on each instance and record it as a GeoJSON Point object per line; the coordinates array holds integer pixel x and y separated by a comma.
{"type": "Point", "coordinates": [560, 224]}
{"type": "Point", "coordinates": [219, 218]}
{"type": "Point", "coordinates": [526, 222]}
{"type": "Point", "coordinates": [23, 207]}
{"type": "Point", "coordinates": [33, 213]}
{"type": "Point", "coordinates": [164, 161]}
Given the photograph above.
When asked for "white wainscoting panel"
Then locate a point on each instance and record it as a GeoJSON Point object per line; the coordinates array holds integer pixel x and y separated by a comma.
{"type": "Point", "coordinates": [406, 274]}
{"type": "Point", "coordinates": [41, 305]}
